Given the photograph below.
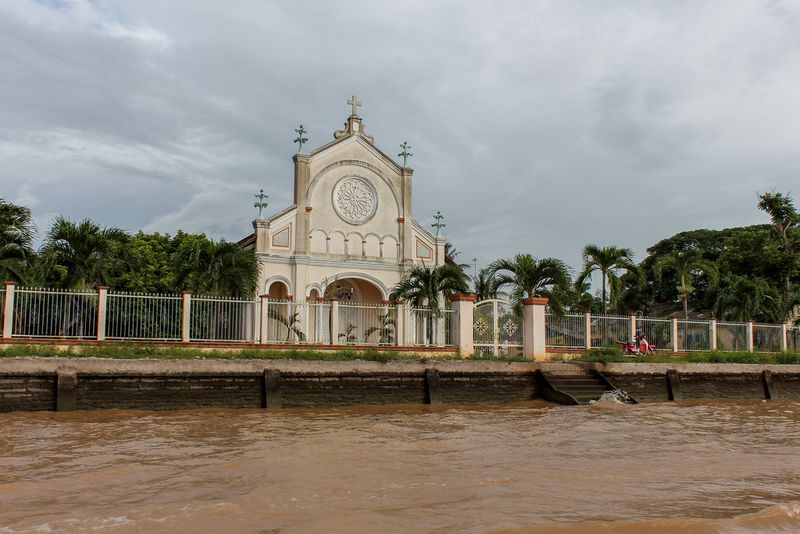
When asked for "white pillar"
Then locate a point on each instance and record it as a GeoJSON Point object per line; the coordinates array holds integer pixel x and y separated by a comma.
{"type": "Point", "coordinates": [463, 318]}
{"type": "Point", "coordinates": [750, 339]}
{"type": "Point", "coordinates": [533, 327]}
{"type": "Point", "coordinates": [8, 310]}
{"type": "Point", "coordinates": [263, 319]}
{"type": "Point", "coordinates": [674, 334]}
{"type": "Point", "coordinates": [102, 306]}
{"type": "Point", "coordinates": [632, 325]}
{"type": "Point", "coordinates": [712, 333]}
{"type": "Point", "coordinates": [400, 324]}
{"type": "Point", "coordinates": [334, 321]}
{"type": "Point", "coordinates": [186, 316]}
{"type": "Point", "coordinates": [588, 341]}
{"type": "Point", "coordinates": [784, 340]}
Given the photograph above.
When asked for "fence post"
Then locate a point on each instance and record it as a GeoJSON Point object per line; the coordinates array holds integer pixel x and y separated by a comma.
{"type": "Point", "coordinates": [712, 333]}
{"type": "Point", "coordinates": [8, 311]}
{"type": "Point", "coordinates": [263, 319]}
{"type": "Point", "coordinates": [102, 302]}
{"type": "Point", "coordinates": [750, 340]}
{"type": "Point", "coordinates": [632, 326]}
{"type": "Point", "coordinates": [784, 340]}
{"type": "Point", "coordinates": [673, 334]}
{"type": "Point", "coordinates": [463, 317]}
{"type": "Point", "coordinates": [334, 321]}
{"type": "Point", "coordinates": [186, 316]}
{"type": "Point", "coordinates": [533, 327]}
{"type": "Point", "coordinates": [400, 324]}
{"type": "Point", "coordinates": [588, 341]}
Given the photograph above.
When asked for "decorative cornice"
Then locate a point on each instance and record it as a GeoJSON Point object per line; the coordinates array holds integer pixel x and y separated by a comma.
{"type": "Point", "coordinates": [463, 297]}
{"type": "Point", "coordinates": [533, 301]}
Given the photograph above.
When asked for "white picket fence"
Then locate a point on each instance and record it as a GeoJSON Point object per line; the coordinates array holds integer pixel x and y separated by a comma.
{"type": "Point", "coordinates": [586, 331]}
{"type": "Point", "coordinates": [111, 315]}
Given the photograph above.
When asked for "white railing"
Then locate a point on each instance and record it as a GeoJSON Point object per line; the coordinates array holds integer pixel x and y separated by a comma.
{"type": "Point", "coordinates": [658, 332]}
{"type": "Point", "coordinates": [694, 335]}
{"type": "Point", "coordinates": [607, 330]}
{"type": "Point", "coordinates": [54, 313]}
{"type": "Point", "coordinates": [767, 337]}
{"type": "Point", "coordinates": [143, 316]}
{"type": "Point", "coordinates": [316, 317]}
{"type": "Point", "coordinates": [568, 331]}
{"type": "Point", "coordinates": [222, 319]}
{"type": "Point", "coordinates": [426, 328]}
{"type": "Point", "coordinates": [367, 324]}
{"type": "Point", "coordinates": [732, 336]}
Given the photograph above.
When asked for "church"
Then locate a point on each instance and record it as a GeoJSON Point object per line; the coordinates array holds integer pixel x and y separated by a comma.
{"type": "Point", "coordinates": [350, 234]}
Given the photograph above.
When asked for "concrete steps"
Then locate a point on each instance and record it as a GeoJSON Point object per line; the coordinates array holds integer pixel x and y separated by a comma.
{"type": "Point", "coordinates": [574, 386]}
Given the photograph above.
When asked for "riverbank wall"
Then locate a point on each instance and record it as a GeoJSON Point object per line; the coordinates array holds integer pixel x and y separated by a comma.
{"type": "Point", "coordinates": [64, 384]}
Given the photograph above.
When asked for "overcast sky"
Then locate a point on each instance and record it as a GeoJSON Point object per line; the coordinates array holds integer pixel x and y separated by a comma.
{"type": "Point", "coordinates": [535, 126]}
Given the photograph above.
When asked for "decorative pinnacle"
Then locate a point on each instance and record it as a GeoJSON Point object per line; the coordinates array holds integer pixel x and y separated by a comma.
{"type": "Point", "coordinates": [262, 203]}
{"type": "Point", "coordinates": [405, 154]}
{"type": "Point", "coordinates": [438, 224]}
{"type": "Point", "coordinates": [300, 139]}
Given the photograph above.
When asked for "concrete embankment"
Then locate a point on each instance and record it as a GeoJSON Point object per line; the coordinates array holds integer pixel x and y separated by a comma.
{"type": "Point", "coordinates": [64, 384]}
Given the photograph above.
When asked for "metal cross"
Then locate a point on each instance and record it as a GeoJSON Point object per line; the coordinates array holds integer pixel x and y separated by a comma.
{"type": "Point", "coordinates": [438, 224]}
{"type": "Point", "coordinates": [405, 153]}
{"type": "Point", "coordinates": [261, 204]}
{"type": "Point", "coordinates": [300, 139]}
{"type": "Point", "coordinates": [355, 104]}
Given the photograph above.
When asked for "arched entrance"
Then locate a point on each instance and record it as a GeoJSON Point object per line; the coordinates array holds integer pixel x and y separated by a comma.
{"type": "Point", "coordinates": [354, 290]}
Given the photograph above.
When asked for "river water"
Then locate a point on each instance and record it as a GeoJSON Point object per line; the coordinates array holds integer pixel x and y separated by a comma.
{"type": "Point", "coordinates": [534, 467]}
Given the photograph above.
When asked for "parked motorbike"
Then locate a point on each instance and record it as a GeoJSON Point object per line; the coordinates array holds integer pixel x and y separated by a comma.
{"type": "Point", "coordinates": [638, 347]}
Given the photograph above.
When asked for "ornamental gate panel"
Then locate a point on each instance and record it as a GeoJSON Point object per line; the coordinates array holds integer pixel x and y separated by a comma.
{"type": "Point", "coordinates": [496, 330]}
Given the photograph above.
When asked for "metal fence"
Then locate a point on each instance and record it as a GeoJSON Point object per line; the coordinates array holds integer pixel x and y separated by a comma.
{"type": "Point", "coordinates": [694, 335]}
{"type": "Point", "coordinates": [607, 330]}
{"type": "Point", "coordinates": [54, 313]}
{"type": "Point", "coordinates": [568, 331]}
{"type": "Point", "coordinates": [142, 316]}
{"type": "Point", "coordinates": [427, 328]}
{"type": "Point", "coordinates": [658, 332]}
{"type": "Point", "coordinates": [793, 339]}
{"type": "Point", "coordinates": [222, 319]}
{"type": "Point", "coordinates": [731, 336]}
{"type": "Point", "coordinates": [767, 337]}
{"type": "Point", "coordinates": [367, 324]}
{"type": "Point", "coordinates": [316, 321]}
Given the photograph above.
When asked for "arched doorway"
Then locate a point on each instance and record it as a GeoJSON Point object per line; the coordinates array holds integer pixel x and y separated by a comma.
{"type": "Point", "coordinates": [354, 290]}
{"type": "Point", "coordinates": [364, 316]}
{"type": "Point", "coordinates": [283, 320]}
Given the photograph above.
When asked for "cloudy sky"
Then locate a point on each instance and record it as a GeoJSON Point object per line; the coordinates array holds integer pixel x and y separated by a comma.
{"type": "Point", "coordinates": [536, 126]}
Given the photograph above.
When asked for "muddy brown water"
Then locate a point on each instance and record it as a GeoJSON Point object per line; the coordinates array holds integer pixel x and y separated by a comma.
{"type": "Point", "coordinates": [672, 467]}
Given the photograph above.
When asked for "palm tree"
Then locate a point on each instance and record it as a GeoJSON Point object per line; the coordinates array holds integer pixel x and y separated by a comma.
{"type": "Point", "coordinates": [386, 330]}
{"type": "Point", "coordinates": [424, 286]}
{"type": "Point", "coordinates": [217, 268]}
{"type": "Point", "coordinates": [747, 299]}
{"type": "Point", "coordinates": [16, 236]}
{"type": "Point", "coordinates": [528, 277]}
{"type": "Point", "coordinates": [608, 261]}
{"type": "Point", "coordinates": [485, 285]}
{"type": "Point", "coordinates": [686, 266]}
{"type": "Point", "coordinates": [85, 250]}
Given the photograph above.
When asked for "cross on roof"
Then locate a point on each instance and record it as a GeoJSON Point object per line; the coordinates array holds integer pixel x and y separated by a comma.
{"type": "Point", "coordinates": [355, 104]}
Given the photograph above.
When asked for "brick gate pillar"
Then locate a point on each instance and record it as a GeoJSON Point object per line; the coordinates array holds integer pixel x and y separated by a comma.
{"type": "Point", "coordinates": [533, 328]}
{"type": "Point", "coordinates": [463, 317]}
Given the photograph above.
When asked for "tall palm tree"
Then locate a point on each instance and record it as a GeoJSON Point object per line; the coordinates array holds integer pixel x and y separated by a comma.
{"type": "Point", "coordinates": [609, 262]}
{"type": "Point", "coordinates": [527, 276]}
{"type": "Point", "coordinates": [485, 285]}
{"type": "Point", "coordinates": [216, 268]}
{"type": "Point", "coordinates": [16, 236]}
{"type": "Point", "coordinates": [425, 286]}
{"type": "Point", "coordinates": [84, 249]}
{"type": "Point", "coordinates": [686, 265]}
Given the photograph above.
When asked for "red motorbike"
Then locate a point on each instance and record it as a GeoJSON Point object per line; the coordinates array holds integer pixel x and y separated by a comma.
{"type": "Point", "coordinates": [638, 347]}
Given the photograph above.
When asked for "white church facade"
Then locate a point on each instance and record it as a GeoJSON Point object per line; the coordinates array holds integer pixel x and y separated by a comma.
{"type": "Point", "coordinates": [351, 233]}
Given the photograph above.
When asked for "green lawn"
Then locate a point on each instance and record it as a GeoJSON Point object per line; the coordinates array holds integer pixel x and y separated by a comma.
{"type": "Point", "coordinates": [612, 354]}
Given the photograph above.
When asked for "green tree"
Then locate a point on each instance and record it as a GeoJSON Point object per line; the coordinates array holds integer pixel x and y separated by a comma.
{"type": "Point", "coordinates": [215, 267]}
{"type": "Point", "coordinates": [609, 262]}
{"type": "Point", "coordinates": [385, 329]}
{"type": "Point", "coordinates": [81, 253]}
{"type": "Point", "coordinates": [748, 299]}
{"type": "Point", "coordinates": [16, 236]}
{"type": "Point", "coordinates": [527, 276]}
{"type": "Point", "coordinates": [686, 266]}
{"type": "Point", "coordinates": [786, 228]}
{"type": "Point", "coordinates": [485, 285]}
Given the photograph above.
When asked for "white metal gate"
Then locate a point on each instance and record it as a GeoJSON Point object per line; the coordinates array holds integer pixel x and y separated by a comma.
{"type": "Point", "coordinates": [496, 331]}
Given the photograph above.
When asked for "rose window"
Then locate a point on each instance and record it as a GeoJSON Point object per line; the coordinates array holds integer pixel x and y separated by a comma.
{"type": "Point", "coordinates": [354, 200]}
